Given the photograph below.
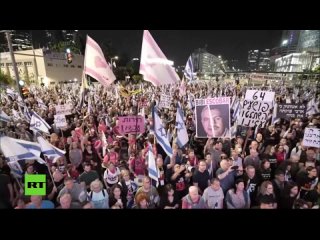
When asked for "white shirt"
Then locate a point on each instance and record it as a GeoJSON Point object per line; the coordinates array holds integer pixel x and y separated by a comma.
{"type": "Point", "coordinates": [112, 178]}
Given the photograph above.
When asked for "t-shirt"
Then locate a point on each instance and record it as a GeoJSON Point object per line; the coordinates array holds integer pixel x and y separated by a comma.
{"type": "Point", "coordinates": [112, 177]}
{"type": "Point", "coordinates": [45, 204]}
{"type": "Point", "coordinates": [213, 198]}
{"type": "Point", "coordinates": [228, 181]}
{"type": "Point", "coordinates": [202, 179]}
{"type": "Point", "coordinates": [99, 200]}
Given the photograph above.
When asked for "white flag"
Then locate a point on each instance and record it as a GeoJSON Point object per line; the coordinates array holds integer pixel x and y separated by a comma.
{"type": "Point", "coordinates": [152, 167]}
{"type": "Point", "coordinates": [38, 124]}
{"type": "Point", "coordinates": [14, 149]}
{"type": "Point", "coordinates": [182, 134]}
{"type": "Point", "coordinates": [49, 150]}
{"type": "Point", "coordinates": [96, 65]}
{"type": "Point", "coordinates": [161, 133]}
{"type": "Point", "coordinates": [154, 66]}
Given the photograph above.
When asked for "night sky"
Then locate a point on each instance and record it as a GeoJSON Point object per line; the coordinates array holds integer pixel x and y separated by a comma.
{"type": "Point", "coordinates": [177, 45]}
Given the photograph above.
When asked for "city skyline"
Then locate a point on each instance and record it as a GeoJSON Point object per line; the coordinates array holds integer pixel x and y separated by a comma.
{"type": "Point", "coordinates": [177, 45]}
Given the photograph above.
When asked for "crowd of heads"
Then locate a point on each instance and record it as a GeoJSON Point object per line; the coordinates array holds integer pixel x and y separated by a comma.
{"type": "Point", "coordinates": [103, 169]}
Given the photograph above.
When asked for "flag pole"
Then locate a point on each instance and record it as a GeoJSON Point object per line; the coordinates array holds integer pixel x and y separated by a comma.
{"type": "Point", "coordinates": [19, 184]}
{"type": "Point", "coordinates": [249, 132]}
{"type": "Point", "coordinates": [64, 146]}
{"type": "Point", "coordinates": [50, 174]}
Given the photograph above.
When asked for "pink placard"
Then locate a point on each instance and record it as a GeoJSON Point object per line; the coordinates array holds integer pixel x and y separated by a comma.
{"type": "Point", "coordinates": [131, 124]}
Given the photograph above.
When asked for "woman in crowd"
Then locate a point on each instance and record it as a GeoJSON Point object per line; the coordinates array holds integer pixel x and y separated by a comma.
{"type": "Point", "coordinates": [266, 191]}
{"type": "Point", "coordinates": [289, 196]}
{"type": "Point", "coordinates": [111, 175]}
{"type": "Point", "coordinates": [169, 199]}
{"type": "Point", "coordinates": [129, 187]}
{"type": "Point", "coordinates": [117, 199]}
{"type": "Point", "coordinates": [238, 198]}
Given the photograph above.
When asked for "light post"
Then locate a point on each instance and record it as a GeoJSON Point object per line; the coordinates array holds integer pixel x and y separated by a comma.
{"type": "Point", "coordinates": [13, 60]}
{"type": "Point", "coordinates": [115, 58]}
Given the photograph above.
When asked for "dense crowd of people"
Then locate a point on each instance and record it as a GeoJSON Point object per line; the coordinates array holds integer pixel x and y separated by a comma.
{"type": "Point", "coordinates": [269, 168]}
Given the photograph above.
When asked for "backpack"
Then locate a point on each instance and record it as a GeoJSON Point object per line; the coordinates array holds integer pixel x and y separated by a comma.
{"type": "Point", "coordinates": [91, 193]}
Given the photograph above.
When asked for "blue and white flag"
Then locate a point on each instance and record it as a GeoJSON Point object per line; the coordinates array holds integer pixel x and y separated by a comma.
{"type": "Point", "coordinates": [182, 135]}
{"type": "Point", "coordinates": [190, 103]}
{"type": "Point", "coordinates": [27, 114]}
{"type": "Point", "coordinates": [15, 150]}
{"type": "Point", "coordinates": [236, 108]}
{"type": "Point", "coordinates": [233, 130]}
{"type": "Point", "coordinates": [152, 168]}
{"type": "Point", "coordinates": [189, 71]}
{"type": "Point", "coordinates": [48, 149]}
{"type": "Point", "coordinates": [11, 93]}
{"type": "Point", "coordinates": [4, 117]}
{"type": "Point", "coordinates": [312, 107]}
{"type": "Point", "coordinates": [41, 104]}
{"type": "Point", "coordinates": [38, 124]}
{"type": "Point", "coordinates": [33, 147]}
{"type": "Point", "coordinates": [275, 119]}
{"type": "Point", "coordinates": [16, 169]}
{"type": "Point", "coordinates": [161, 134]}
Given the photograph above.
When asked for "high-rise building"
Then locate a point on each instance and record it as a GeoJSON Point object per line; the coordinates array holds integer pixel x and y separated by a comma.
{"type": "Point", "coordinates": [253, 60]}
{"type": "Point", "coordinates": [294, 62]}
{"type": "Point", "coordinates": [56, 36]}
{"type": "Point", "coordinates": [264, 60]}
{"type": "Point", "coordinates": [206, 63]}
{"type": "Point", "coordinates": [21, 40]}
{"type": "Point", "coordinates": [309, 41]}
{"type": "Point", "coordinates": [289, 41]}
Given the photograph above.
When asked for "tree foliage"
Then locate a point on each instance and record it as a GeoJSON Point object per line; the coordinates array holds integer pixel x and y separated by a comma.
{"type": "Point", "coordinates": [5, 79]}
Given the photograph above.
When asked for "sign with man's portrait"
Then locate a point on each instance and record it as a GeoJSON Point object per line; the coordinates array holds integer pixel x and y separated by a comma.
{"type": "Point", "coordinates": [213, 117]}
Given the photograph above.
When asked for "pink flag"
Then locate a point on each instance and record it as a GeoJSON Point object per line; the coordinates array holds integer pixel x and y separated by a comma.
{"type": "Point", "coordinates": [96, 65]}
{"type": "Point", "coordinates": [154, 65]}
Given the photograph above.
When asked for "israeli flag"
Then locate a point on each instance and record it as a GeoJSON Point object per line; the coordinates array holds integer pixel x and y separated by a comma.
{"type": "Point", "coordinates": [182, 135]}
{"type": "Point", "coordinates": [15, 150]}
{"type": "Point", "coordinates": [15, 169]}
{"type": "Point", "coordinates": [11, 93]}
{"type": "Point", "coordinates": [189, 71]}
{"type": "Point", "coordinates": [41, 104]}
{"type": "Point", "coordinates": [312, 107]}
{"type": "Point", "coordinates": [48, 149]}
{"type": "Point", "coordinates": [161, 134]}
{"type": "Point", "coordinates": [27, 114]}
{"type": "Point", "coordinates": [38, 124]}
{"type": "Point", "coordinates": [275, 119]}
{"type": "Point", "coordinates": [33, 147]}
{"type": "Point", "coordinates": [236, 109]}
{"type": "Point", "coordinates": [152, 168]}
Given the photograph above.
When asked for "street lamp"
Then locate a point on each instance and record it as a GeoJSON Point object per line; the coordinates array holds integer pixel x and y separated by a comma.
{"type": "Point", "coordinates": [13, 60]}
{"type": "Point", "coordinates": [115, 58]}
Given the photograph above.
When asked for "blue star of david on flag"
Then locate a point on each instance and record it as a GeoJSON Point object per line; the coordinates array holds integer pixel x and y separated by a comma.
{"type": "Point", "coordinates": [162, 131]}
{"type": "Point", "coordinates": [161, 134]}
{"type": "Point", "coordinates": [179, 126]}
{"type": "Point", "coordinates": [182, 136]}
